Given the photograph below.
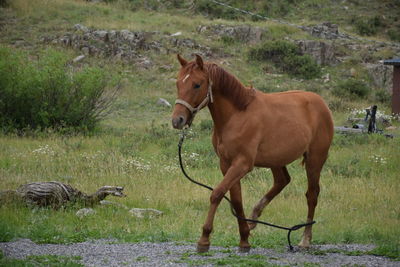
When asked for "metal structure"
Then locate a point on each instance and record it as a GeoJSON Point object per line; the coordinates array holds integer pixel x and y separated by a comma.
{"type": "Point", "coordinates": [396, 84]}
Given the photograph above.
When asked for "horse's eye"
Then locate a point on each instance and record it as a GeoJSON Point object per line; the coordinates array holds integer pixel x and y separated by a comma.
{"type": "Point", "coordinates": [196, 86]}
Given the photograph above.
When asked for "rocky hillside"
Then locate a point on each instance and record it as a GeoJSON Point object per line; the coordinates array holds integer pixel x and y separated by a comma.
{"type": "Point", "coordinates": [147, 33]}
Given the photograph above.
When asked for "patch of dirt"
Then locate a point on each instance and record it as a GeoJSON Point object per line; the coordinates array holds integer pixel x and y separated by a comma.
{"type": "Point", "coordinates": [111, 253]}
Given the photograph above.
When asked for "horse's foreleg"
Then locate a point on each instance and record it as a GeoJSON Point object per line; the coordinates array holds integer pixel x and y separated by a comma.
{"type": "Point", "coordinates": [281, 179]}
{"type": "Point", "coordinates": [236, 198]}
{"type": "Point", "coordinates": [233, 175]}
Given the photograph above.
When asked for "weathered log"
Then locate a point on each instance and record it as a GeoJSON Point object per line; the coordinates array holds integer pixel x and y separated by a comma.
{"type": "Point", "coordinates": [56, 194]}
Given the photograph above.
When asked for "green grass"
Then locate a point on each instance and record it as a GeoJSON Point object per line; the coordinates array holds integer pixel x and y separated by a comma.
{"type": "Point", "coordinates": [43, 260]}
{"type": "Point", "coordinates": [135, 147]}
{"type": "Point", "coordinates": [230, 260]}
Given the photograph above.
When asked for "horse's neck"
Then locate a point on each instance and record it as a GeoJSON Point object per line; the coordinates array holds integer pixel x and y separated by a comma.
{"type": "Point", "coordinates": [229, 95]}
{"type": "Point", "coordinates": [221, 110]}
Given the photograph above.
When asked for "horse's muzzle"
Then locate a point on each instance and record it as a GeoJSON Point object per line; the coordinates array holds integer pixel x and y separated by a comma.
{"type": "Point", "coordinates": [178, 122]}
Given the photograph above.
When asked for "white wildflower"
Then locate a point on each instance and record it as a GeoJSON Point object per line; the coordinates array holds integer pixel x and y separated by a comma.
{"type": "Point", "coordinates": [44, 150]}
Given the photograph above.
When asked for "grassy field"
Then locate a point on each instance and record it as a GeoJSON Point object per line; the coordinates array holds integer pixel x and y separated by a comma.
{"type": "Point", "coordinates": [136, 147]}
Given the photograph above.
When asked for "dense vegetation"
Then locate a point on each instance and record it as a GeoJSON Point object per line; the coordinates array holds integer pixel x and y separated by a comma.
{"type": "Point", "coordinates": [287, 57]}
{"type": "Point", "coordinates": [135, 147]}
{"type": "Point", "coordinates": [49, 93]}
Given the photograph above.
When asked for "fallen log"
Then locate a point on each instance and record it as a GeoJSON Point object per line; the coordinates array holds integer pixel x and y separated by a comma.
{"type": "Point", "coordinates": [56, 194]}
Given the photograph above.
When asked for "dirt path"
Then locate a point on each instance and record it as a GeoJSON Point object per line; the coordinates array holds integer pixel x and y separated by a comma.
{"type": "Point", "coordinates": [111, 253]}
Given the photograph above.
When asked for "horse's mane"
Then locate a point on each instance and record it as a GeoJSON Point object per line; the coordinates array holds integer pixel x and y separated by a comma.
{"type": "Point", "coordinates": [229, 86]}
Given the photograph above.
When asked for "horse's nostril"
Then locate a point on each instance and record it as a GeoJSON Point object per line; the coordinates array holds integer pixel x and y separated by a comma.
{"type": "Point", "coordinates": [178, 122]}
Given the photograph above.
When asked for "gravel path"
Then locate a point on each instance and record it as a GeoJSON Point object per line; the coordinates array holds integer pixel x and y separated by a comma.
{"type": "Point", "coordinates": [111, 253]}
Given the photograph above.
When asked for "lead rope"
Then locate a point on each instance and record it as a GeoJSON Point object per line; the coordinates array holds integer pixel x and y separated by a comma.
{"type": "Point", "coordinates": [289, 229]}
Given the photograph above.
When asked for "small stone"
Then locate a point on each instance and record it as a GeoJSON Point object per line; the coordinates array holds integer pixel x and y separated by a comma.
{"type": "Point", "coordinates": [353, 72]}
{"type": "Point", "coordinates": [80, 27]}
{"type": "Point", "coordinates": [145, 213]}
{"type": "Point", "coordinates": [391, 128]}
{"type": "Point", "coordinates": [101, 34]}
{"type": "Point", "coordinates": [163, 102]}
{"type": "Point", "coordinates": [176, 34]}
{"type": "Point", "coordinates": [85, 212]}
{"type": "Point", "coordinates": [326, 78]}
{"type": "Point", "coordinates": [78, 58]}
{"type": "Point", "coordinates": [85, 50]}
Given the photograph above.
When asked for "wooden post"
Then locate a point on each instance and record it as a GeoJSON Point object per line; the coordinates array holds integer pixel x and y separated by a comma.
{"type": "Point", "coordinates": [396, 84]}
{"type": "Point", "coordinates": [396, 90]}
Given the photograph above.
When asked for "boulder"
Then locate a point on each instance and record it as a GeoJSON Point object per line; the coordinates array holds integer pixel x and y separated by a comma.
{"type": "Point", "coordinates": [85, 212]}
{"type": "Point", "coordinates": [382, 75]}
{"type": "Point", "coordinates": [326, 30]}
{"type": "Point", "coordinates": [163, 102]}
{"type": "Point", "coordinates": [322, 52]}
{"type": "Point", "coordinates": [242, 33]}
{"type": "Point", "coordinates": [145, 213]}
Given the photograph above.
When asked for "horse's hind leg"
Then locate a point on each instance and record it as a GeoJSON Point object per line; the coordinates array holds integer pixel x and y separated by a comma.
{"type": "Point", "coordinates": [313, 168]}
{"type": "Point", "coordinates": [281, 179]}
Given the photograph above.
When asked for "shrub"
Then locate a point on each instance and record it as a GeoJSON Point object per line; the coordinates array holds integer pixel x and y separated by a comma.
{"type": "Point", "coordinates": [48, 93]}
{"type": "Point", "coordinates": [382, 96]}
{"type": "Point", "coordinates": [208, 8]}
{"type": "Point", "coordinates": [368, 26]}
{"type": "Point", "coordinates": [287, 57]}
{"type": "Point", "coordinates": [302, 66]}
{"type": "Point", "coordinates": [352, 89]}
{"type": "Point", "coordinates": [394, 34]}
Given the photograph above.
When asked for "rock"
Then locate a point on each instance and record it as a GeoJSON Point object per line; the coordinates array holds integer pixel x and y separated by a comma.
{"type": "Point", "coordinates": [80, 27]}
{"type": "Point", "coordinates": [78, 58]}
{"type": "Point", "coordinates": [163, 102]}
{"type": "Point", "coordinates": [382, 75]}
{"type": "Point", "coordinates": [144, 63]}
{"type": "Point", "coordinates": [101, 34]}
{"type": "Point", "coordinates": [145, 213]}
{"type": "Point", "coordinates": [85, 50]}
{"type": "Point", "coordinates": [85, 212]}
{"type": "Point", "coordinates": [176, 34]}
{"type": "Point", "coordinates": [124, 45]}
{"type": "Point", "coordinates": [243, 33]}
{"type": "Point", "coordinates": [326, 30]}
{"type": "Point", "coordinates": [322, 52]}
{"type": "Point", "coordinates": [127, 35]}
{"type": "Point", "coordinates": [353, 72]}
{"type": "Point", "coordinates": [326, 78]}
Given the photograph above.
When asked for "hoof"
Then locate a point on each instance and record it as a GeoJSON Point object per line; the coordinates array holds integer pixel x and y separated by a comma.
{"type": "Point", "coordinates": [202, 248]}
{"type": "Point", "coordinates": [304, 245]}
{"type": "Point", "coordinates": [244, 249]}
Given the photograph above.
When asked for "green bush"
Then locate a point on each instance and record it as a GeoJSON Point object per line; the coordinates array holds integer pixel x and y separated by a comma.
{"type": "Point", "coordinates": [368, 26]}
{"type": "Point", "coordinates": [48, 93]}
{"type": "Point", "coordinates": [382, 96]}
{"type": "Point", "coordinates": [394, 34]}
{"type": "Point", "coordinates": [287, 57]}
{"type": "Point", "coordinates": [208, 8]}
{"type": "Point", "coordinates": [352, 89]}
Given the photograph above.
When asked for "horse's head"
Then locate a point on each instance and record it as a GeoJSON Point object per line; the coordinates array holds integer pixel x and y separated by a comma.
{"type": "Point", "coordinates": [194, 91]}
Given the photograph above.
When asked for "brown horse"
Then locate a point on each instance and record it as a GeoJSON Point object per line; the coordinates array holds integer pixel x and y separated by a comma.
{"type": "Point", "coordinates": [252, 128]}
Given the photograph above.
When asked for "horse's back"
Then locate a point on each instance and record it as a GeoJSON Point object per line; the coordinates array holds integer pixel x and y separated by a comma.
{"type": "Point", "coordinates": [302, 106]}
{"type": "Point", "coordinates": [289, 124]}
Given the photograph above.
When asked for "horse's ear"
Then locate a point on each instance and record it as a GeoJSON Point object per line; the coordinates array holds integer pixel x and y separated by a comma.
{"type": "Point", "coordinates": [199, 61]}
{"type": "Point", "coordinates": [182, 60]}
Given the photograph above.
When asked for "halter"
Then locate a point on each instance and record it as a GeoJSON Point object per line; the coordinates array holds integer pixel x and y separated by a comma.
{"type": "Point", "coordinates": [193, 111]}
